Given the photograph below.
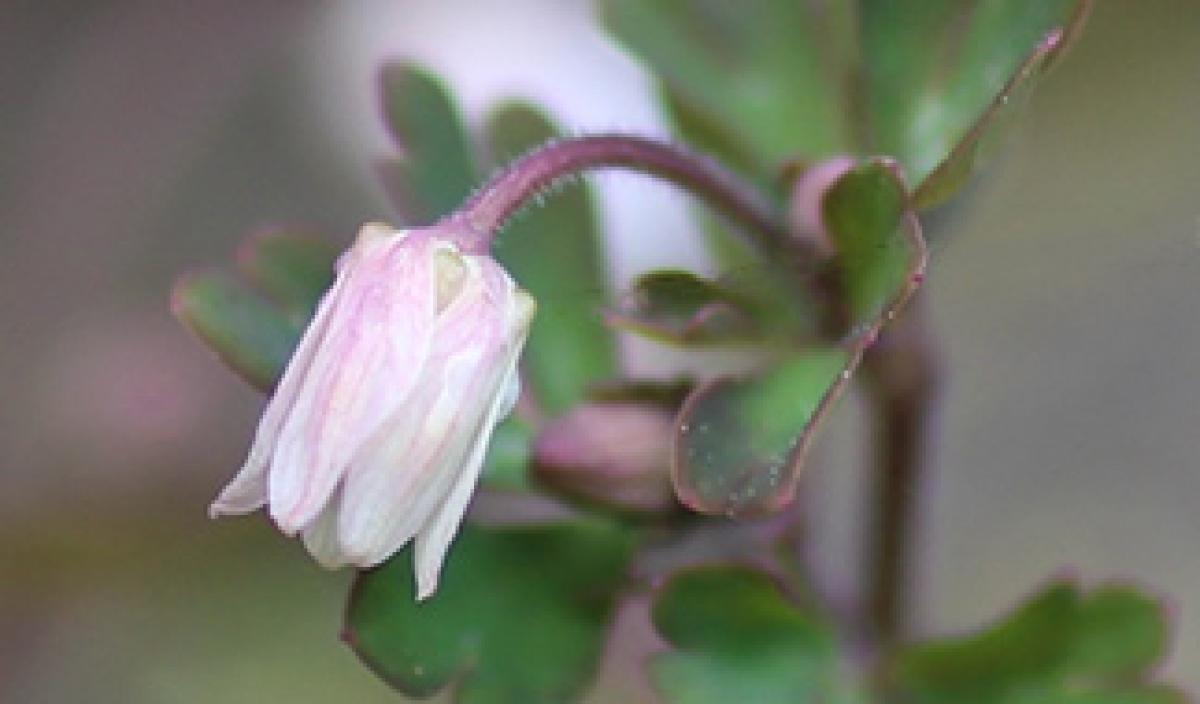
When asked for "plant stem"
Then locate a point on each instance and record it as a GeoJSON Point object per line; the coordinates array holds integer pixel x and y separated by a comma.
{"type": "Point", "coordinates": [902, 373]}
{"type": "Point", "coordinates": [485, 212]}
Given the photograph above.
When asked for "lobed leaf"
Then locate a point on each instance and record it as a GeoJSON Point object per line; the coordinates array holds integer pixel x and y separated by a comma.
{"type": "Point", "coordinates": [520, 615]}
{"type": "Point", "coordinates": [437, 169]}
{"type": "Point", "coordinates": [880, 255]}
{"type": "Point", "coordinates": [293, 271]}
{"type": "Point", "coordinates": [940, 76]}
{"type": "Point", "coordinates": [1063, 645]}
{"type": "Point", "coordinates": [251, 336]}
{"type": "Point", "coordinates": [927, 82]}
{"type": "Point", "coordinates": [741, 443]}
{"type": "Point", "coordinates": [989, 124]}
{"type": "Point", "coordinates": [748, 81]}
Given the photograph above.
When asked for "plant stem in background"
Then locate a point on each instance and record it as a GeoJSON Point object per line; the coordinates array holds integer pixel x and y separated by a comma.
{"type": "Point", "coordinates": [483, 215]}
{"type": "Point", "coordinates": [902, 378]}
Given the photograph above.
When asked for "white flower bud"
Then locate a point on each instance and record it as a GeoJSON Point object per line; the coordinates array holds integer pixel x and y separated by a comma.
{"type": "Point", "coordinates": [377, 431]}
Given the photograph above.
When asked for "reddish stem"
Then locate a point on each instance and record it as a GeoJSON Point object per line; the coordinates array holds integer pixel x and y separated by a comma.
{"type": "Point", "coordinates": [485, 212]}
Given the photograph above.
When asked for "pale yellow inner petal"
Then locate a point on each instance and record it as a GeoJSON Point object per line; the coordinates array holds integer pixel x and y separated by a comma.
{"type": "Point", "coordinates": [450, 271]}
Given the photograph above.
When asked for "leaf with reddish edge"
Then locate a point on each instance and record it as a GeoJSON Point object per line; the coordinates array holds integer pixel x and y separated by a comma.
{"type": "Point", "coordinates": [252, 336]}
{"type": "Point", "coordinates": [292, 270]}
{"type": "Point", "coordinates": [741, 442]}
{"type": "Point", "coordinates": [953, 172]}
{"type": "Point", "coordinates": [940, 75]}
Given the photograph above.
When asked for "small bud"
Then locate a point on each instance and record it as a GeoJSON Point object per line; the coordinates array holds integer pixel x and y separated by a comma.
{"type": "Point", "coordinates": [616, 454]}
{"type": "Point", "coordinates": [808, 192]}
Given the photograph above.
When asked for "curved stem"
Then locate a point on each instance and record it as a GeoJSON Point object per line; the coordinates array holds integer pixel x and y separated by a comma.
{"type": "Point", "coordinates": [485, 212]}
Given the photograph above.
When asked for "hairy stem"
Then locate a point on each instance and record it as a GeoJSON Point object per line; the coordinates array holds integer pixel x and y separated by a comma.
{"type": "Point", "coordinates": [902, 375]}
{"type": "Point", "coordinates": [485, 213]}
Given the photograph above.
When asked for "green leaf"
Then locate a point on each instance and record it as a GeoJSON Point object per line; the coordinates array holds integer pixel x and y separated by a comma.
{"type": "Point", "coordinates": [554, 251]}
{"type": "Point", "coordinates": [928, 82]}
{"type": "Point", "coordinates": [1124, 695]}
{"type": "Point", "coordinates": [1061, 646]}
{"type": "Point", "coordinates": [748, 81]}
{"type": "Point", "coordinates": [710, 133]}
{"type": "Point", "coordinates": [742, 442]}
{"type": "Point", "coordinates": [679, 307]}
{"type": "Point", "coordinates": [252, 336]}
{"type": "Point", "coordinates": [294, 271]}
{"type": "Point", "coordinates": [736, 638]}
{"type": "Point", "coordinates": [1121, 634]}
{"type": "Point", "coordinates": [520, 615]}
{"type": "Point", "coordinates": [507, 463]}
{"type": "Point", "coordinates": [880, 253]}
{"type": "Point", "coordinates": [436, 171]}
{"type": "Point", "coordinates": [939, 73]}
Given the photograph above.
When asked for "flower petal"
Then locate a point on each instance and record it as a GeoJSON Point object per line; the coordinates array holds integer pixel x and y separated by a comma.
{"type": "Point", "coordinates": [320, 537]}
{"type": "Point", "coordinates": [434, 540]}
{"type": "Point", "coordinates": [393, 491]}
{"type": "Point", "coordinates": [394, 488]}
{"type": "Point", "coordinates": [248, 490]}
{"type": "Point", "coordinates": [368, 363]}
{"type": "Point", "coordinates": [400, 477]}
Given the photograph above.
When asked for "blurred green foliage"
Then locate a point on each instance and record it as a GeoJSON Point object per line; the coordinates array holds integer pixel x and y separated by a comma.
{"type": "Point", "coordinates": [765, 82]}
{"type": "Point", "coordinates": [1063, 645]}
{"type": "Point", "coordinates": [737, 638]}
{"type": "Point", "coordinates": [251, 335]}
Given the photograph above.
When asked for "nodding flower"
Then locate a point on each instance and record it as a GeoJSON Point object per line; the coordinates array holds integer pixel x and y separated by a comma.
{"type": "Point", "coordinates": [376, 433]}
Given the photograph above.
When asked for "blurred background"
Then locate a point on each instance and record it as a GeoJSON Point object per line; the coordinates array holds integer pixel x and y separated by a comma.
{"type": "Point", "coordinates": [141, 138]}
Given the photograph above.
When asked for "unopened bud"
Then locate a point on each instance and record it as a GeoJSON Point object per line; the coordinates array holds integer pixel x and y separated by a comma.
{"type": "Point", "coordinates": [615, 454]}
{"type": "Point", "coordinates": [808, 192]}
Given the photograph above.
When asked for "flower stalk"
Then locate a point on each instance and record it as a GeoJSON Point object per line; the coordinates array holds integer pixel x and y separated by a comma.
{"type": "Point", "coordinates": [484, 214]}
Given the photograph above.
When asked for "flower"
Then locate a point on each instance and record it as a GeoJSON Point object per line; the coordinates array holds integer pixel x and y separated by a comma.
{"type": "Point", "coordinates": [377, 430]}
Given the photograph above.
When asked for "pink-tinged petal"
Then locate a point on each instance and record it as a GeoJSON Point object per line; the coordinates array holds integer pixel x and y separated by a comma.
{"type": "Point", "coordinates": [320, 537]}
{"type": "Point", "coordinates": [435, 537]}
{"type": "Point", "coordinates": [394, 487]}
{"type": "Point", "coordinates": [367, 365]}
{"type": "Point", "coordinates": [399, 478]}
{"type": "Point", "coordinates": [392, 493]}
{"type": "Point", "coordinates": [510, 393]}
{"type": "Point", "coordinates": [248, 490]}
